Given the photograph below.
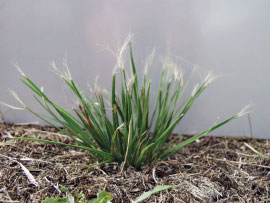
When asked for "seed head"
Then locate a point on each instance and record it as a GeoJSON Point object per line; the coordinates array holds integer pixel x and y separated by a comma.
{"type": "Point", "coordinates": [245, 110]}
{"type": "Point", "coordinates": [195, 89]}
{"type": "Point", "coordinates": [62, 74]}
{"type": "Point", "coordinates": [120, 55]}
{"type": "Point", "coordinates": [209, 78]}
{"type": "Point", "coordinates": [20, 70]}
{"type": "Point", "coordinates": [14, 94]}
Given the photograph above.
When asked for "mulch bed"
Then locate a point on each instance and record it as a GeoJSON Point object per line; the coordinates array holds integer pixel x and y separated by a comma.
{"type": "Point", "coordinates": [214, 169]}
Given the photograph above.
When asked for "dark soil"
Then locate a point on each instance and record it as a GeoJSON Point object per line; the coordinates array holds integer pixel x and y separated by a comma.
{"type": "Point", "coordinates": [215, 169]}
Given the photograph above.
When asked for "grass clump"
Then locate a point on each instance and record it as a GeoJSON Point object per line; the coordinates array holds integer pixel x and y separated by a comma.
{"type": "Point", "coordinates": [129, 130]}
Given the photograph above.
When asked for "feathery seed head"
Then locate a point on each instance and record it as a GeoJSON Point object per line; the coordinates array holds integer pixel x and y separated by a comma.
{"type": "Point", "coordinates": [20, 70]}
{"type": "Point", "coordinates": [42, 89]}
{"type": "Point", "coordinates": [178, 74]}
{"type": "Point", "coordinates": [12, 107]}
{"type": "Point", "coordinates": [66, 75]}
{"type": "Point", "coordinates": [195, 89]}
{"type": "Point", "coordinates": [96, 87]}
{"type": "Point", "coordinates": [131, 80]}
{"type": "Point", "coordinates": [209, 78]}
{"type": "Point", "coordinates": [14, 94]}
{"type": "Point", "coordinates": [120, 55]}
{"type": "Point", "coordinates": [149, 61]}
{"type": "Point", "coordinates": [245, 110]}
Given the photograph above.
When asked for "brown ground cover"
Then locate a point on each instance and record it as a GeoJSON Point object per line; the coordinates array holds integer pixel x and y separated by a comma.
{"type": "Point", "coordinates": [215, 169]}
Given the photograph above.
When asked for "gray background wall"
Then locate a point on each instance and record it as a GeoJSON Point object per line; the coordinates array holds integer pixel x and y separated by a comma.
{"type": "Point", "coordinates": [226, 36]}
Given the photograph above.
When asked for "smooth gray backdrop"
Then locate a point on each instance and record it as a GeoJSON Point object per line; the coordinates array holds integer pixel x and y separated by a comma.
{"type": "Point", "coordinates": [229, 37]}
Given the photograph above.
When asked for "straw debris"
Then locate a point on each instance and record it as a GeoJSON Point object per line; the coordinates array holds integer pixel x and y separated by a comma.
{"type": "Point", "coordinates": [216, 169]}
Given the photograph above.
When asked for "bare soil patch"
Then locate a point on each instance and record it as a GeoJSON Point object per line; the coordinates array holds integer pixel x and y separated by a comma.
{"type": "Point", "coordinates": [215, 169]}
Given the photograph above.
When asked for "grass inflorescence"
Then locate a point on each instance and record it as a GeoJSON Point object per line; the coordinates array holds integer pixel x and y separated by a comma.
{"type": "Point", "coordinates": [130, 130]}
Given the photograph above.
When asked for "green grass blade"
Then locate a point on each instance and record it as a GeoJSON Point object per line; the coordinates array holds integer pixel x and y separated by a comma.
{"type": "Point", "coordinates": [157, 189]}
{"type": "Point", "coordinates": [92, 150]}
{"type": "Point", "coordinates": [134, 73]}
{"type": "Point", "coordinates": [256, 152]}
{"type": "Point", "coordinates": [194, 138]}
{"type": "Point", "coordinates": [142, 155]}
{"type": "Point", "coordinates": [114, 106]}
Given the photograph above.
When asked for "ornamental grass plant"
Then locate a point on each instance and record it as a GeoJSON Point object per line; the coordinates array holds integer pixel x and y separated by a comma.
{"type": "Point", "coordinates": [129, 130]}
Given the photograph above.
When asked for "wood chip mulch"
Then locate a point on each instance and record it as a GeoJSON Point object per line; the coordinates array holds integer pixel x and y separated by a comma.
{"type": "Point", "coordinates": [214, 169]}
